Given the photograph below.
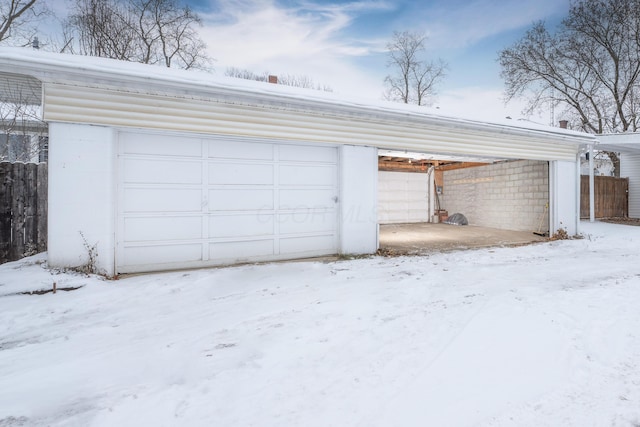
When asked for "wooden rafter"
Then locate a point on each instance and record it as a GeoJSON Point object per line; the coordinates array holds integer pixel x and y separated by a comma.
{"type": "Point", "coordinates": [389, 163]}
{"type": "Point", "coordinates": [460, 165]}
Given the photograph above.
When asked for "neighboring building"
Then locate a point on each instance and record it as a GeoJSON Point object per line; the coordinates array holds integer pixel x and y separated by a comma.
{"type": "Point", "coordinates": [162, 168]}
{"type": "Point", "coordinates": [29, 144]}
{"type": "Point", "coordinates": [628, 145]}
{"type": "Point", "coordinates": [23, 136]}
{"type": "Point", "coordinates": [602, 165]}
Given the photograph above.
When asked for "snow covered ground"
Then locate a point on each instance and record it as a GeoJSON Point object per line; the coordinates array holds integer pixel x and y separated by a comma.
{"type": "Point", "coordinates": [541, 335]}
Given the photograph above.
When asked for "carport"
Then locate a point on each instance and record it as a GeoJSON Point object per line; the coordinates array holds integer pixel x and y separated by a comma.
{"type": "Point", "coordinates": [505, 201]}
{"type": "Point", "coordinates": [508, 199]}
{"type": "Point", "coordinates": [628, 145]}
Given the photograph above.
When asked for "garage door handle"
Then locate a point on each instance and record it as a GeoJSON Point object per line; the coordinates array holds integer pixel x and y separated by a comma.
{"type": "Point", "coordinates": [335, 199]}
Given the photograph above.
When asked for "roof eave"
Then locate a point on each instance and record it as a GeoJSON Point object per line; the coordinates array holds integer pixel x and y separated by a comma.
{"type": "Point", "coordinates": [262, 95]}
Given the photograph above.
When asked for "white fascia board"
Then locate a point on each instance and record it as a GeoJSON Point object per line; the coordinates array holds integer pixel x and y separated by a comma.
{"type": "Point", "coordinates": [75, 104]}
{"type": "Point", "coordinates": [621, 142]}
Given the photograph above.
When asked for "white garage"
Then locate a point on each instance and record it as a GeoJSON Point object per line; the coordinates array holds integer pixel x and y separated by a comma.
{"type": "Point", "coordinates": [153, 168]}
{"type": "Point", "coordinates": [186, 201]}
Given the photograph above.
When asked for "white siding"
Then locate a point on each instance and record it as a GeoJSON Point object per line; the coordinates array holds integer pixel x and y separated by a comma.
{"type": "Point", "coordinates": [630, 167]}
{"type": "Point", "coordinates": [290, 121]}
{"type": "Point", "coordinates": [403, 197]}
{"type": "Point", "coordinates": [20, 89]}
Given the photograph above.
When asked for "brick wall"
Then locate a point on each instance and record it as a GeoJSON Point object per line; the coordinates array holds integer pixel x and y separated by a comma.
{"type": "Point", "coordinates": [508, 195]}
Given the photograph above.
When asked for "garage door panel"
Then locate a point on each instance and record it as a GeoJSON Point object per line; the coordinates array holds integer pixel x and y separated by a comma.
{"type": "Point", "coordinates": [258, 224]}
{"type": "Point", "coordinates": [393, 185]}
{"type": "Point", "coordinates": [309, 198]}
{"type": "Point", "coordinates": [237, 200]}
{"type": "Point", "coordinates": [163, 254]}
{"type": "Point", "coordinates": [400, 205]}
{"type": "Point", "coordinates": [160, 145]}
{"type": "Point", "coordinates": [417, 205]}
{"type": "Point", "coordinates": [240, 150]}
{"type": "Point", "coordinates": [162, 200]}
{"type": "Point", "coordinates": [139, 229]}
{"type": "Point", "coordinates": [244, 250]}
{"type": "Point", "coordinates": [310, 244]}
{"type": "Point", "coordinates": [307, 221]}
{"type": "Point", "coordinates": [218, 201]}
{"type": "Point", "coordinates": [240, 174]}
{"type": "Point", "coordinates": [416, 215]}
{"type": "Point", "coordinates": [144, 171]}
{"type": "Point", "coordinates": [403, 197]}
{"type": "Point", "coordinates": [307, 175]}
{"type": "Point", "coordinates": [301, 153]}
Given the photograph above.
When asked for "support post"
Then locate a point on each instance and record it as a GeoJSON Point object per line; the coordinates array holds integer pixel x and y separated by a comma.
{"type": "Point", "coordinates": [431, 193]}
{"type": "Point", "coordinates": [592, 202]}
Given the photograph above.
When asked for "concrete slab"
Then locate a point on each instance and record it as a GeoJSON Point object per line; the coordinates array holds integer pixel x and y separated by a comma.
{"type": "Point", "coordinates": [423, 238]}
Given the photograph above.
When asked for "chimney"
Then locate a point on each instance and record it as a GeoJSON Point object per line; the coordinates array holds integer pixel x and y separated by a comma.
{"type": "Point", "coordinates": [273, 79]}
{"type": "Point", "coordinates": [563, 124]}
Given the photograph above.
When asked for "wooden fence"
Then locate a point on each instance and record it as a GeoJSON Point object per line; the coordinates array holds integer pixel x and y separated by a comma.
{"type": "Point", "coordinates": [23, 210]}
{"type": "Point", "coordinates": [611, 196]}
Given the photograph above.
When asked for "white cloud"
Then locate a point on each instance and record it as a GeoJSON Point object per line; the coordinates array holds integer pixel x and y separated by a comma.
{"type": "Point", "coordinates": [316, 38]}
{"type": "Point", "coordinates": [251, 31]}
{"type": "Point", "coordinates": [308, 39]}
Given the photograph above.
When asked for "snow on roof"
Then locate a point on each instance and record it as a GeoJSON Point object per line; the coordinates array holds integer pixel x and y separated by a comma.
{"type": "Point", "coordinates": [57, 68]}
{"type": "Point", "coordinates": [628, 142]}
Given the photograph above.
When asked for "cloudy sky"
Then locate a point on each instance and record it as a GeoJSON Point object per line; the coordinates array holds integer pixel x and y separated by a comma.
{"type": "Point", "coordinates": [341, 43]}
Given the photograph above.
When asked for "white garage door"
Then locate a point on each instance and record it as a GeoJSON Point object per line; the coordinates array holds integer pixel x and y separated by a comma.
{"type": "Point", "coordinates": [402, 197]}
{"type": "Point", "coordinates": [188, 202]}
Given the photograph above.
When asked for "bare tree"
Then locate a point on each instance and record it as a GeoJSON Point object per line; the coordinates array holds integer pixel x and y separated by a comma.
{"type": "Point", "coordinates": [301, 80]}
{"type": "Point", "coordinates": [243, 73]}
{"type": "Point", "coordinates": [414, 79]}
{"type": "Point", "coordinates": [148, 31]}
{"type": "Point", "coordinates": [17, 18]}
{"type": "Point", "coordinates": [590, 65]}
{"type": "Point", "coordinates": [103, 28]}
{"type": "Point", "coordinates": [168, 33]}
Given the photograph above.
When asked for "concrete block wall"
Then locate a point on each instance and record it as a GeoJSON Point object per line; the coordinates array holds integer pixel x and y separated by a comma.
{"type": "Point", "coordinates": [508, 195]}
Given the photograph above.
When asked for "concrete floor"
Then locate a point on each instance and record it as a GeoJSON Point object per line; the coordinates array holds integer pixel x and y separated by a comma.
{"type": "Point", "coordinates": [423, 238]}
